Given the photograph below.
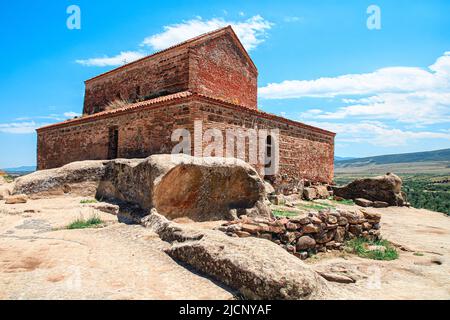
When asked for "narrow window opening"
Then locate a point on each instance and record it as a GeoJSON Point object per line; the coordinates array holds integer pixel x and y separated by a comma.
{"type": "Point", "coordinates": [113, 146]}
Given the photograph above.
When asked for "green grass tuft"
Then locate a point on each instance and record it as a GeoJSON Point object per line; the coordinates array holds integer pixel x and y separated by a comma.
{"type": "Point", "coordinates": [347, 202]}
{"type": "Point", "coordinates": [419, 254]}
{"type": "Point", "coordinates": [88, 201]}
{"type": "Point", "coordinates": [359, 247]}
{"type": "Point", "coordinates": [315, 206]}
{"type": "Point", "coordinates": [282, 213]}
{"type": "Point", "coordinates": [81, 223]}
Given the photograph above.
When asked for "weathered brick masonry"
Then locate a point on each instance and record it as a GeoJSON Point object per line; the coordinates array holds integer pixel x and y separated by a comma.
{"type": "Point", "coordinates": [214, 64]}
{"type": "Point", "coordinates": [210, 78]}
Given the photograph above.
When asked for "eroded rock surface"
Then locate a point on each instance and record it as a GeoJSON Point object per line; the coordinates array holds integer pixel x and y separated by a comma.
{"type": "Point", "coordinates": [78, 178]}
{"type": "Point", "coordinates": [257, 268]}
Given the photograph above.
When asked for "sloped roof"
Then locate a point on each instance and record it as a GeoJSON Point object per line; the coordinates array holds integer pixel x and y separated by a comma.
{"type": "Point", "coordinates": [190, 42]}
{"type": "Point", "coordinates": [125, 109]}
{"type": "Point", "coordinates": [176, 97]}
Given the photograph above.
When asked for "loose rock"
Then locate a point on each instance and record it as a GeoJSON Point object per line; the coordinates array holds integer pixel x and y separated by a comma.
{"type": "Point", "coordinates": [20, 198]}
{"type": "Point", "coordinates": [305, 243]}
{"type": "Point", "coordinates": [363, 202]}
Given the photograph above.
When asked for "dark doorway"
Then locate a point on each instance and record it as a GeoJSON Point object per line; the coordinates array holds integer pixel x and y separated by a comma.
{"type": "Point", "coordinates": [113, 145]}
{"type": "Point", "coordinates": [268, 156]}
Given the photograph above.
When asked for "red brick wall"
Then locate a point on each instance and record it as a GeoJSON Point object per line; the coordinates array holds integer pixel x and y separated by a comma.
{"type": "Point", "coordinates": [215, 66]}
{"type": "Point", "coordinates": [162, 74]}
{"type": "Point", "coordinates": [305, 153]}
{"type": "Point", "coordinates": [218, 68]}
{"type": "Point", "coordinates": [141, 134]}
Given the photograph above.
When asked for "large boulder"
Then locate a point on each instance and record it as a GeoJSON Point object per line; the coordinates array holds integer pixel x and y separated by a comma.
{"type": "Point", "coordinates": [176, 185]}
{"type": "Point", "coordinates": [386, 188]}
{"type": "Point", "coordinates": [257, 268]}
{"type": "Point", "coordinates": [184, 186]}
{"type": "Point", "coordinates": [80, 178]}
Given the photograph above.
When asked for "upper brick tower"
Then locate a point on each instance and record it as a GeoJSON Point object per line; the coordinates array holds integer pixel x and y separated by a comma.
{"type": "Point", "coordinates": [215, 64]}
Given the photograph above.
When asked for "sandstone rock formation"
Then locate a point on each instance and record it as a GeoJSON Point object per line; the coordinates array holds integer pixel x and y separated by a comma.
{"type": "Point", "coordinates": [176, 185]}
{"type": "Point", "coordinates": [258, 269]}
{"type": "Point", "coordinates": [78, 178]}
{"type": "Point", "coordinates": [386, 188]}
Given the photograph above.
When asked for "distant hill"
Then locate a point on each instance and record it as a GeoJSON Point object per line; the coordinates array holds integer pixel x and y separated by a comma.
{"type": "Point", "coordinates": [22, 169]}
{"type": "Point", "coordinates": [437, 155]}
{"type": "Point", "coordinates": [343, 158]}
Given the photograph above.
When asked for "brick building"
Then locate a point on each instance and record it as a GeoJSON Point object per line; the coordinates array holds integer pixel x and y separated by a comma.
{"type": "Point", "coordinates": [209, 78]}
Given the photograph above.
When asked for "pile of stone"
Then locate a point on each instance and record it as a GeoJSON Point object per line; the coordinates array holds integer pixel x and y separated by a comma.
{"type": "Point", "coordinates": [315, 232]}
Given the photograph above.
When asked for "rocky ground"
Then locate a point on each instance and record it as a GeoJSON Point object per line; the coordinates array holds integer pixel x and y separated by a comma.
{"type": "Point", "coordinates": [39, 259]}
{"type": "Point", "coordinates": [422, 270]}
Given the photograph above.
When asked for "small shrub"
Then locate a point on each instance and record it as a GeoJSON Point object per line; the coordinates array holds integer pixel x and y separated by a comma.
{"type": "Point", "coordinates": [360, 246]}
{"type": "Point", "coordinates": [116, 104]}
{"type": "Point", "coordinates": [81, 223]}
{"type": "Point", "coordinates": [418, 254]}
{"type": "Point", "coordinates": [88, 201]}
{"type": "Point", "coordinates": [8, 178]}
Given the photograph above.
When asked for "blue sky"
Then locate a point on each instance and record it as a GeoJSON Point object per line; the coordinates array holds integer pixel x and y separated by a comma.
{"type": "Point", "coordinates": [382, 91]}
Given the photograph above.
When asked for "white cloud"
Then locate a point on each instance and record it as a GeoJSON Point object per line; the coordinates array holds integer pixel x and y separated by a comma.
{"type": "Point", "coordinates": [71, 114]}
{"type": "Point", "coordinates": [292, 19]}
{"type": "Point", "coordinates": [393, 79]}
{"type": "Point", "coordinates": [377, 133]}
{"type": "Point", "coordinates": [251, 32]}
{"type": "Point", "coordinates": [405, 94]}
{"type": "Point", "coordinates": [27, 125]}
{"type": "Point", "coordinates": [422, 107]}
{"type": "Point", "coordinates": [120, 59]}
{"type": "Point", "coordinates": [20, 127]}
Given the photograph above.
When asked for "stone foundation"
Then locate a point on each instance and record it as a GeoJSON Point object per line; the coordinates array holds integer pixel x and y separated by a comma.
{"type": "Point", "coordinates": [315, 232]}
